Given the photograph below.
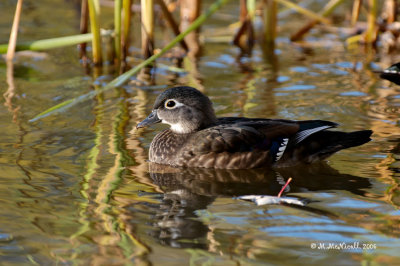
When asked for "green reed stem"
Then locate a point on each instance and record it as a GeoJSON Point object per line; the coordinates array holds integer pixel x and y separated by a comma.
{"type": "Point", "coordinates": [94, 13]}
{"type": "Point", "coordinates": [125, 77]}
{"type": "Point", "coordinates": [355, 13]}
{"type": "Point", "coordinates": [303, 11]}
{"type": "Point", "coordinates": [147, 14]}
{"type": "Point", "coordinates": [127, 11]}
{"type": "Point", "coordinates": [251, 8]}
{"type": "Point", "coordinates": [270, 20]}
{"type": "Point", "coordinates": [330, 6]}
{"type": "Point", "coordinates": [117, 29]}
{"type": "Point", "coordinates": [46, 44]}
{"type": "Point", "coordinates": [83, 28]}
{"type": "Point", "coordinates": [372, 13]}
{"type": "Point", "coordinates": [326, 11]}
{"type": "Point", "coordinates": [14, 31]}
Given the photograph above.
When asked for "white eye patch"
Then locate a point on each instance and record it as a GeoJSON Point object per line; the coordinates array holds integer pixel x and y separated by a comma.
{"type": "Point", "coordinates": [172, 103]}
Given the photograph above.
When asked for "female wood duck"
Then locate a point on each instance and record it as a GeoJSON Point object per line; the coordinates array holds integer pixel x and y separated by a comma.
{"type": "Point", "coordinates": [197, 138]}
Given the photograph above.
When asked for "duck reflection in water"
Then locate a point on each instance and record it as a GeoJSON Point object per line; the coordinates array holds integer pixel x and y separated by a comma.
{"type": "Point", "coordinates": [188, 190]}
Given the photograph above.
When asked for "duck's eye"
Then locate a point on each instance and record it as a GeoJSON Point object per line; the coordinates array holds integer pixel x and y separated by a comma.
{"type": "Point", "coordinates": [170, 104]}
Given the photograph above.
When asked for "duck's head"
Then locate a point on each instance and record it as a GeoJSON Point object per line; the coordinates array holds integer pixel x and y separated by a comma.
{"type": "Point", "coordinates": [185, 109]}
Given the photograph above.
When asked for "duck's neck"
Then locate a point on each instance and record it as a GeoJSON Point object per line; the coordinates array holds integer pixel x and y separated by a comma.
{"type": "Point", "coordinates": [191, 127]}
{"type": "Point", "coordinates": [180, 129]}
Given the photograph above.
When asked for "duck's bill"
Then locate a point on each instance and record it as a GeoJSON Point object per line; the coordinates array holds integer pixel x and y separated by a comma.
{"type": "Point", "coordinates": [150, 120]}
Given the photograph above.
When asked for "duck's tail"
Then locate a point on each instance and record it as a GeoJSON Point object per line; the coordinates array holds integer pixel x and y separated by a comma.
{"type": "Point", "coordinates": [353, 139]}
{"type": "Point", "coordinates": [323, 144]}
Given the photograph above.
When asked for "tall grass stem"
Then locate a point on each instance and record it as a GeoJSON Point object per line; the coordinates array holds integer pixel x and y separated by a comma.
{"type": "Point", "coordinates": [117, 30]}
{"type": "Point", "coordinates": [355, 12]}
{"type": "Point", "coordinates": [270, 11]}
{"type": "Point", "coordinates": [370, 34]}
{"type": "Point", "coordinates": [52, 43]}
{"type": "Point", "coordinates": [14, 32]}
{"type": "Point", "coordinates": [147, 27]}
{"type": "Point", "coordinates": [326, 11]}
{"type": "Point", "coordinates": [126, 29]}
{"type": "Point", "coordinates": [94, 14]}
{"type": "Point", "coordinates": [83, 27]}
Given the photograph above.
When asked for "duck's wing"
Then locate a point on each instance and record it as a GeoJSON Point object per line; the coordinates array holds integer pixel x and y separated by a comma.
{"type": "Point", "coordinates": [227, 138]}
{"type": "Point", "coordinates": [248, 134]}
{"type": "Point", "coordinates": [248, 143]}
{"type": "Point", "coordinates": [311, 141]}
{"type": "Point", "coordinates": [243, 135]}
{"type": "Point", "coordinates": [296, 131]}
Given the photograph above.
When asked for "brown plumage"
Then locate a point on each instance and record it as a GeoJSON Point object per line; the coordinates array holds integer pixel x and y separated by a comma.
{"type": "Point", "coordinates": [198, 139]}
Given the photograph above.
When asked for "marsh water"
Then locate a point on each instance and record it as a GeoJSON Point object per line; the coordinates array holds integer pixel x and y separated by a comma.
{"type": "Point", "coordinates": [76, 187]}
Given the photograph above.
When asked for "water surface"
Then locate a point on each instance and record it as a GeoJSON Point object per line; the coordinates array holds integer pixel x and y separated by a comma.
{"type": "Point", "coordinates": [75, 188]}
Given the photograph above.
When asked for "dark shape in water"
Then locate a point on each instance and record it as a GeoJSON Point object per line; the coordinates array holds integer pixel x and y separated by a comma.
{"type": "Point", "coordinates": [260, 181]}
{"type": "Point", "coordinates": [392, 73]}
{"type": "Point", "coordinates": [188, 190]}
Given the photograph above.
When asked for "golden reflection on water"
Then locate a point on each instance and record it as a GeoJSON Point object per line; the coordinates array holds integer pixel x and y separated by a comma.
{"type": "Point", "coordinates": [77, 188]}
